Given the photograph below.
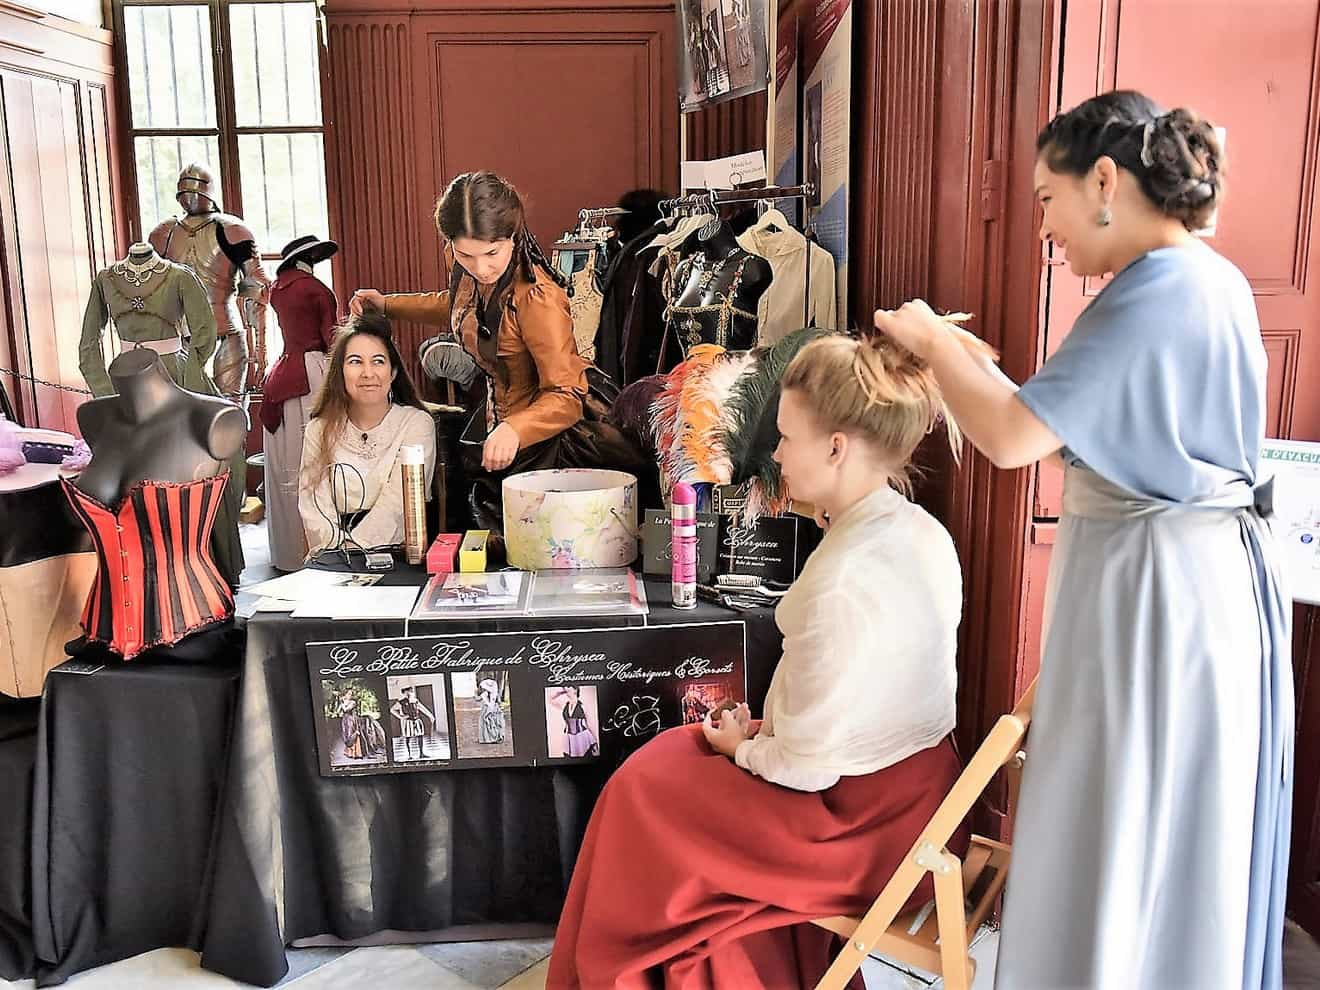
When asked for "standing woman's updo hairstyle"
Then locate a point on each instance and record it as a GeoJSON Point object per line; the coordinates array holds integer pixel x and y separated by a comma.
{"type": "Point", "coordinates": [1175, 156]}
{"type": "Point", "coordinates": [875, 389]}
{"type": "Point", "coordinates": [486, 207]}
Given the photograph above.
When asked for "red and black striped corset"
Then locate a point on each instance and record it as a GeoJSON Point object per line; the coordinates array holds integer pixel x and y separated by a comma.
{"type": "Point", "coordinates": [157, 581]}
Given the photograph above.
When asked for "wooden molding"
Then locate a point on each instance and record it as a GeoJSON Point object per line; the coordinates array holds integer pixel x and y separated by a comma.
{"type": "Point", "coordinates": [26, 49]}
{"type": "Point", "coordinates": [22, 10]}
{"type": "Point", "coordinates": [359, 8]}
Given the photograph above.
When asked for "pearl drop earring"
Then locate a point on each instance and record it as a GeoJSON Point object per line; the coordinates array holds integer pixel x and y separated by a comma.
{"type": "Point", "coordinates": [1105, 218]}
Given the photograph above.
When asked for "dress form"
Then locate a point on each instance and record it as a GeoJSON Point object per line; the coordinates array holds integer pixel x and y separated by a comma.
{"type": "Point", "coordinates": [153, 430]}
{"type": "Point", "coordinates": [146, 299]}
{"type": "Point", "coordinates": [716, 292]}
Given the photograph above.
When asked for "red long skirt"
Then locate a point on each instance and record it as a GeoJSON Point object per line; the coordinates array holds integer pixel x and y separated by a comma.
{"type": "Point", "coordinates": [696, 875]}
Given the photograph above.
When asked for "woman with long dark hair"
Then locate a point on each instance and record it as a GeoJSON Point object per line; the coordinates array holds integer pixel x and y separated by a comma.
{"type": "Point", "coordinates": [366, 412]}
{"type": "Point", "coordinates": [508, 309]}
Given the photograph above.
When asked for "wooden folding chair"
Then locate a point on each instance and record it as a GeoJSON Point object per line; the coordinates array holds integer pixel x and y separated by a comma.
{"type": "Point", "coordinates": [965, 890]}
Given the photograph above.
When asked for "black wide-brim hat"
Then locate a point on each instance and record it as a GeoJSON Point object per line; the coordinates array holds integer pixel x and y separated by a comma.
{"type": "Point", "coordinates": [308, 249]}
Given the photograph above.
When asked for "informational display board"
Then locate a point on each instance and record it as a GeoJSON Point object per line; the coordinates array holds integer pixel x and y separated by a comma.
{"type": "Point", "coordinates": [1295, 466]}
{"type": "Point", "coordinates": [516, 699]}
{"type": "Point", "coordinates": [827, 127]}
{"type": "Point", "coordinates": [786, 136]}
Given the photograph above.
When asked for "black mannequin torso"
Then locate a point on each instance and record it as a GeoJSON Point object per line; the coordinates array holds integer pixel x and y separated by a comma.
{"type": "Point", "coordinates": [152, 430]}
{"type": "Point", "coordinates": [717, 292]}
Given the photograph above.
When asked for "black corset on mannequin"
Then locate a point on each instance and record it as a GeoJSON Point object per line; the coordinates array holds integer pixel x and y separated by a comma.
{"type": "Point", "coordinates": [715, 292]}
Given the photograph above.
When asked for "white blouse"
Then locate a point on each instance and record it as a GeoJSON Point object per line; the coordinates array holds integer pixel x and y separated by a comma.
{"type": "Point", "coordinates": [369, 480]}
{"type": "Point", "coordinates": [868, 675]}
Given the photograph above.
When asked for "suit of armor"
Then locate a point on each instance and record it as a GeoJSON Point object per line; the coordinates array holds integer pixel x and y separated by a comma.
{"type": "Point", "coordinates": [223, 253]}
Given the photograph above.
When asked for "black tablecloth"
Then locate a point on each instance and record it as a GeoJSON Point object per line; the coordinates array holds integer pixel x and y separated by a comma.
{"type": "Point", "coordinates": [130, 765]}
{"type": "Point", "coordinates": [301, 855]}
{"type": "Point", "coordinates": [18, 749]}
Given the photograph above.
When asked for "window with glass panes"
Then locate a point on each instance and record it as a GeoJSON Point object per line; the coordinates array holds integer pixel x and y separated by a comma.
{"type": "Point", "coordinates": [236, 87]}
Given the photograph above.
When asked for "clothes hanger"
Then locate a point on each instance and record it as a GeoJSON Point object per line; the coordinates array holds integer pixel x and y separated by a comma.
{"type": "Point", "coordinates": [772, 220]}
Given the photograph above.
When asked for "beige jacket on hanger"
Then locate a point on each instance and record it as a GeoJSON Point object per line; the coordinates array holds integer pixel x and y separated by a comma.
{"type": "Point", "coordinates": [780, 310]}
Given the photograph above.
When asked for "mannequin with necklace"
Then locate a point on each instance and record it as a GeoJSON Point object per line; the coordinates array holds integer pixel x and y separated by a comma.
{"type": "Point", "coordinates": [149, 497]}
{"type": "Point", "coordinates": [715, 292]}
{"type": "Point", "coordinates": [145, 298]}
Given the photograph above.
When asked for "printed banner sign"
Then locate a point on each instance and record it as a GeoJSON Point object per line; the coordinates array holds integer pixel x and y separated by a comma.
{"type": "Point", "coordinates": [827, 95]}
{"type": "Point", "coordinates": [516, 699]}
{"type": "Point", "coordinates": [1295, 466]}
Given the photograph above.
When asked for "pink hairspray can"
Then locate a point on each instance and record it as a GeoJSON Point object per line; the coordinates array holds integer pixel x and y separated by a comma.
{"type": "Point", "coordinates": [683, 545]}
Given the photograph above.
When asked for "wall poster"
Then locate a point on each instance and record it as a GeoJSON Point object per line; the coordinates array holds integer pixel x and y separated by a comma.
{"type": "Point", "coordinates": [516, 699]}
{"type": "Point", "coordinates": [826, 99]}
{"type": "Point", "coordinates": [786, 135]}
{"type": "Point", "coordinates": [723, 52]}
{"type": "Point", "coordinates": [1295, 466]}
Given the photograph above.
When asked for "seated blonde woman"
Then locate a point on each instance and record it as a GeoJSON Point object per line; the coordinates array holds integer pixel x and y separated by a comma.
{"type": "Point", "coordinates": [366, 412]}
{"type": "Point", "coordinates": [712, 843]}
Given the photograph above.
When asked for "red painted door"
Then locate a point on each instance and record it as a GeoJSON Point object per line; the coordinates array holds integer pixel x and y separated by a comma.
{"type": "Point", "coordinates": [1252, 69]}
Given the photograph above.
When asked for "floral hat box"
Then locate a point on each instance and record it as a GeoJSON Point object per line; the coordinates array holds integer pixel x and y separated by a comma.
{"type": "Point", "coordinates": [573, 517]}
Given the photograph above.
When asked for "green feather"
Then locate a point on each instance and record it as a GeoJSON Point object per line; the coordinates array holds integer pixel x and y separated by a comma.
{"type": "Point", "coordinates": [750, 433]}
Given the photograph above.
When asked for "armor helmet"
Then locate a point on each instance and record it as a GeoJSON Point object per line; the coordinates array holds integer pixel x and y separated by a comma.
{"type": "Point", "coordinates": [197, 183]}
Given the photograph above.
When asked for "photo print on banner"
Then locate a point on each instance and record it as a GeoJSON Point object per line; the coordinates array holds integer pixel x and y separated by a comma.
{"type": "Point", "coordinates": [483, 725]}
{"type": "Point", "coordinates": [518, 699]}
{"type": "Point", "coordinates": [419, 721]}
{"type": "Point", "coordinates": [572, 721]}
{"type": "Point", "coordinates": [352, 735]}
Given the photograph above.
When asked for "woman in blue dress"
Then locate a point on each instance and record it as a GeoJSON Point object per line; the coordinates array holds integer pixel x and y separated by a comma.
{"type": "Point", "coordinates": [1151, 844]}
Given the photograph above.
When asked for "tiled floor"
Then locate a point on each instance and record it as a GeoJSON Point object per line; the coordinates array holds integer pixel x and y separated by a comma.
{"type": "Point", "coordinates": [515, 964]}
{"type": "Point", "coordinates": [509, 965]}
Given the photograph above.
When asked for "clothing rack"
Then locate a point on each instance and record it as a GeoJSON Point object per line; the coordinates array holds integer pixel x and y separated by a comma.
{"type": "Point", "coordinates": [721, 197]}
{"type": "Point", "coordinates": [587, 230]}
{"type": "Point", "coordinates": [714, 198]}
{"type": "Point", "coordinates": [586, 216]}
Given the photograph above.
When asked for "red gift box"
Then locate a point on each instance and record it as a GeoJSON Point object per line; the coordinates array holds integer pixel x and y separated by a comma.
{"type": "Point", "coordinates": [440, 558]}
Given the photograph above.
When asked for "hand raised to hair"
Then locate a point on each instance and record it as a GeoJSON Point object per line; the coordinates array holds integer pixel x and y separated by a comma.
{"type": "Point", "coordinates": [914, 325]}
{"type": "Point", "coordinates": [366, 300]}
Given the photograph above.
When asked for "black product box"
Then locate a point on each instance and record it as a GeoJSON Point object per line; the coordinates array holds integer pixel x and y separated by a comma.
{"type": "Point", "coordinates": [656, 558]}
{"type": "Point", "coordinates": [775, 548]}
{"type": "Point", "coordinates": [728, 500]}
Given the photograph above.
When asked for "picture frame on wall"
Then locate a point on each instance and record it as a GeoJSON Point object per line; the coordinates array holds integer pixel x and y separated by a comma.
{"type": "Point", "coordinates": [724, 51]}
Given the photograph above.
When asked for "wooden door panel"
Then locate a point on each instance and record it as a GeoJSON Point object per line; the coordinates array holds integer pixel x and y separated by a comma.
{"type": "Point", "coordinates": [49, 210]}
{"type": "Point", "coordinates": [574, 108]}
{"type": "Point", "coordinates": [539, 136]}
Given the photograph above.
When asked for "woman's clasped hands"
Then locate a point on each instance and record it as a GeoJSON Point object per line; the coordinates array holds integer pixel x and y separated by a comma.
{"type": "Point", "coordinates": [732, 727]}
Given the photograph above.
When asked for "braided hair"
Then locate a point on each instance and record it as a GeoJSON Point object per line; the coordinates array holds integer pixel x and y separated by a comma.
{"type": "Point", "coordinates": [486, 207]}
{"type": "Point", "coordinates": [1176, 156]}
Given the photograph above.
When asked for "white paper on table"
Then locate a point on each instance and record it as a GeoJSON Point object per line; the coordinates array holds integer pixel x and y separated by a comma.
{"type": "Point", "coordinates": [274, 605]}
{"type": "Point", "coordinates": [249, 607]}
{"type": "Point", "coordinates": [391, 602]}
{"type": "Point", "coordinates": [309, 583]}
